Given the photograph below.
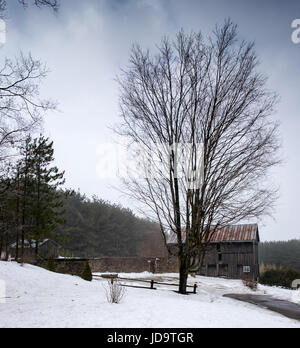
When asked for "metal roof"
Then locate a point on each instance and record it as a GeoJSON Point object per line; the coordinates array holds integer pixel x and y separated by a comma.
{"type": "Point", "coordinates": [232, 233]}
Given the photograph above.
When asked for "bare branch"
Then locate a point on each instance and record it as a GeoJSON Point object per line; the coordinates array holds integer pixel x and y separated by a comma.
{"type": "Point", "coordinates": [21, 108]}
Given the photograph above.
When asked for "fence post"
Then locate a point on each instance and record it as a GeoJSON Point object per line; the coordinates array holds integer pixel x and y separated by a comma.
{"type": "Point", "coordinates": [195, 288]}
{"type": "Point", "coordinates": [152, 284]}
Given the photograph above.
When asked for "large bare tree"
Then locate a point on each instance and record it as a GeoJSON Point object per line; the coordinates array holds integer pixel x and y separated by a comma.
{"type": "Point", "coordinates": [201, 114]}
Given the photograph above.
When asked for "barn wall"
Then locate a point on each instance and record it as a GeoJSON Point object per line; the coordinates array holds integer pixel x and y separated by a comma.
{"type": "Point", "coordinates": [228, 260]}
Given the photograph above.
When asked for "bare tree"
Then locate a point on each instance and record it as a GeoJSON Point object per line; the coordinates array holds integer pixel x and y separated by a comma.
{"type": "Point", "coordinates": [201, 114]}
{"type": "Point", "coordinates": [21, 108]}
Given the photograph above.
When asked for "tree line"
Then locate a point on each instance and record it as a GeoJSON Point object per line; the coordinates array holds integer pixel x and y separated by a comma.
{"type": "Point", "coordinates": [33, 207]}
{"type": "Point", "coordinates": [95, 228]}
{"type": "Point", "coordinates": [284, 254]}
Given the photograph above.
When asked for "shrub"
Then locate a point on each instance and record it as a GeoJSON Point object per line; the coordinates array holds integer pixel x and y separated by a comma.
{"type": "Point", "coordinates": [51, 265]}
{"type": "Point", "coordinates": [114, 291]}
{"type": "Point", "coordinates": [250, 283]}
{"type": "Point", "coordinates": [87, 273]}
{"type": "Point", "coordinates": [279, 277]}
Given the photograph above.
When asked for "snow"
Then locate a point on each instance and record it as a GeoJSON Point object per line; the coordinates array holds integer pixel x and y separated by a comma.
{"type": "Point", "coordinates": [38, 298]}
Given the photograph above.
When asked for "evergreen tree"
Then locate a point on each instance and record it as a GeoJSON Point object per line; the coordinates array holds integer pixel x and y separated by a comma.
{"type": "Point", "coordinates": [87, 273]}
{"type": "Point", "coordinates": [47, 208]}
{"type": "Point", "coordinates": [25, 185]}
{"type": "Point", "coordinates": [37, 203]}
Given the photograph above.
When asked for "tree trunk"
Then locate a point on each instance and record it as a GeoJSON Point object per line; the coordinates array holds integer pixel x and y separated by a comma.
{"type": "Point", "coordinates": [17, 245]}
{"type": "Point", "coordinates": [6, 248]}
{"type": "Point", "coordinates": [36, 249]}
{"type": "Point", "coordinates": [22, 246]}
{"type": "Point", "coordinates": [1, 245]}
{"type": "Point", "coordinates": [18, 216]}
{"type": "Point", "coordinates": [183, 275]}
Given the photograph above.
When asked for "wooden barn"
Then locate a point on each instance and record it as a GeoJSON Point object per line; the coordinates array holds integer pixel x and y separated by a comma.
{"type": "Point", "coordinates": [232, 253]}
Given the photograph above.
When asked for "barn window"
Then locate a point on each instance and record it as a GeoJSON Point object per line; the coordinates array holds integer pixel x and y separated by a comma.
{"type": "Point", "coordinates": [246, 269]}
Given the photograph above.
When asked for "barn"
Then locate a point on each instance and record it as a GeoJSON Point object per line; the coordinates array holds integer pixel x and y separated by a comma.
{"type": "Point", "coordinates": [232, 253]}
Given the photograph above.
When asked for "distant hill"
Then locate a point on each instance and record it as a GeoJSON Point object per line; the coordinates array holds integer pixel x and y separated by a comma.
{"type": "Point", "coordinates": [97, 228]}
{"type": "Point", "coordinates": [285, 254]}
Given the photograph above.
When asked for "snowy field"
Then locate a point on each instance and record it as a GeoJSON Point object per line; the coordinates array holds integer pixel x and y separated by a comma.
{"type": "Point", "coordinates": [38, 298]}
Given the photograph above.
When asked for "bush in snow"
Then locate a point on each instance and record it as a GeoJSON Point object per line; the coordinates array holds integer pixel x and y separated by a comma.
{"type": "Point", "coordinates": [114, 291]}
{"type": "Point", "coordinates": [87, 273]}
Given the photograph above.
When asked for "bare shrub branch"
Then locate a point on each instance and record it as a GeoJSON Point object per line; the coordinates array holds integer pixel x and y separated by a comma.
{"type": "Point", "coordinates": [114, 291]}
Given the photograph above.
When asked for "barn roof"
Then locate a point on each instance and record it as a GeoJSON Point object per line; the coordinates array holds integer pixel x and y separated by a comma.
{"type": "Point", "coordinates": [232, 233]}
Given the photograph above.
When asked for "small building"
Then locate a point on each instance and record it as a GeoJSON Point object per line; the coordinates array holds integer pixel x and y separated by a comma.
{"type": "Point", "coordinates": [47, 248]}
{"type": "Point", "coordinates": [232, 253]}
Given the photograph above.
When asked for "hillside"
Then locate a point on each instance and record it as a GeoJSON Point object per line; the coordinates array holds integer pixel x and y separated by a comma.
{"type": "Point", "coordinates": [38, 298]}
{"type": "Point", "coordinates": [95, 228]}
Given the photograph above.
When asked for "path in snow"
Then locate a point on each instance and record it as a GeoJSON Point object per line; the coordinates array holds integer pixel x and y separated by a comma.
{"type": "Point", "coordinates": [286, 308]}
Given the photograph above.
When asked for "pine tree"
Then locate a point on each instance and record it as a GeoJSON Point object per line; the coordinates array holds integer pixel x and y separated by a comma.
{"type": "Point", "coordinates": [87, 273]}
{"type": "Point", "coordinates": [47, 202]}
{"type": "Point", "coordinates": [38, 201]}
{"type": "Point", "coordinates": [25, 186]}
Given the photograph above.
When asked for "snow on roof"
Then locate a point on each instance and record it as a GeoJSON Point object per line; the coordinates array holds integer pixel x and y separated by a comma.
{"type": "Point", "coordinates": [232, 233]}
{"type": "Point", "coordinates": [32, 244]}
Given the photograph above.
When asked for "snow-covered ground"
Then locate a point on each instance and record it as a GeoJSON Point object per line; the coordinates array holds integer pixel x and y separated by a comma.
{"type": "Point", "coordinates": [38, 298]}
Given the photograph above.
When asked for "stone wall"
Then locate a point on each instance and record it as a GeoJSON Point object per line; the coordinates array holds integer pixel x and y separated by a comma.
{"type": "Point", "coordinates": [116, 265]}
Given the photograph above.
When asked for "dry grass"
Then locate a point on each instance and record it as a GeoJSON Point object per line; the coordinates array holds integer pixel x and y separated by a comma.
{"type": "Point", "coordinates": [250, 283]}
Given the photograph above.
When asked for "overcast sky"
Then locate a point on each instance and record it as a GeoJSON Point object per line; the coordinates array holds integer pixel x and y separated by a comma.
{"type": "Point", "coordinates": [87, 43]}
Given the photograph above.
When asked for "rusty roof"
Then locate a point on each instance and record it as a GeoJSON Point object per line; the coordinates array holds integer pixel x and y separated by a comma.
{"type": "Point", "coordinates": [232, 233]}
